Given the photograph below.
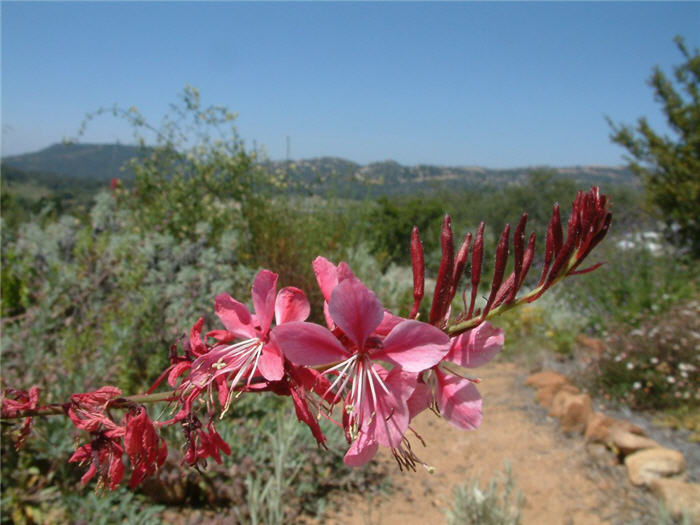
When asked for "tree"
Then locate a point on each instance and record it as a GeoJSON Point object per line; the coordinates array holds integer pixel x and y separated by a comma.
{"type": "Point", "coordinates": [670, 166]}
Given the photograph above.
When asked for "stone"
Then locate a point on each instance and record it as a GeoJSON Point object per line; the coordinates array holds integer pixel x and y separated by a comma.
{"type": "Point", "coordinates": [599, 428]}
{"type": "Point", "coordinates": [652, 463]}
{"type": "Point", "coordinates": [601, 455]}
{"type": "Point", "coordinates": [545, 378]}
{"type": "Point", "coordinates": [680, 498]}
{"type": "Point", "coordinates": [559, 401]}
{"type": "Point", "coordinates": [596, 345]}
{"type": "Point", "coordinates": [546, 394]}
{"type": "Point", "coordinates": [626, 442]}
{"type": "Point", "coordinates": [575, 413]}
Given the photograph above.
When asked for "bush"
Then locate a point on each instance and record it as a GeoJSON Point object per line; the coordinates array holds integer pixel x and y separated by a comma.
{"type": "Point", "coordinates": [653, 366]}
{"type": "Point", "coordinates": [499, 504]}
{"type": "Point", "coordinates": [637, 280]}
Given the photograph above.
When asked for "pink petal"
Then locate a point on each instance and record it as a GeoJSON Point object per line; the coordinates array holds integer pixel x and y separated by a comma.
{"type": "Point", "coordinates": [361, 451]}
{"type": "Point", "coordinates": [414, 346]}
{"type": "Point", "coordinates": [304, 415]}
{"type": "Point", "coordinates": [327, 316]}
{"type": "Point", "coordinates": [222, 336]}
{"type": "Point", "coordinates": [389, 321]}
{"type": "Point", "coordinates": [271, 362]}
{"type": "Point", "coordinates": [419, 400]}
{"type": "Point", "coordinates": [264, 288]}
{"type": "Point", "coordinates": [234, 316]}
{"type": "Point", "coordinates": [291, 305]}
{"type": "Point", "coordinates": [458, 400]}
{"type": "Point", "coordinates": [390, 421]}
{"type": "Point", "coordinates": [177, 371]}
{"type": "Point", "coordinates": [476, 347]}
{"type": "Point", "coordinates": [308, 344]}
{"type": "Point", "coordinates": [344, 272]}
{"type": "Point", "coordinates": [400, 383]}
{"type": "Point", "coordinates": [355, 309]}
{"type": "Point", "coordinates": [326, 276]}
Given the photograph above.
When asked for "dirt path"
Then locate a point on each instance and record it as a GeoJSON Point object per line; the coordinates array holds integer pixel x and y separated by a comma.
{"type": "Point", "coordinates": [562, 482]}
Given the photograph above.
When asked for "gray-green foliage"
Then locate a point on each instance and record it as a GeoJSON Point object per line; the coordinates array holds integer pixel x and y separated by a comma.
{"type": "Point", "coordinates": [108, 296]}
{"type": "Point", "coordinates": [499, 504]}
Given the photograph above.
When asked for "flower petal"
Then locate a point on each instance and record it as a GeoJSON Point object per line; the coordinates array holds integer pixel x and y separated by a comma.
{"type": "Point", "coordinates": [419, 400]}
{"type": "Point", "coordinates": [264, 288]}
{"type": "Point", "coordinates": [291, 305]}
{"type": "Point", "coordinates": [355, 309]}
{"type": "Point", "coordinates": [389, 321]}
{"type": "Point", "coordinates": [476, 347]}
{"type": "Point", "coordinates": [234, 316]}
{"type": "Point", "coordinates": [271, 362]}
{"type": "Point", "coordinates": [361, 451]}
{"type": "Point", "coordinates": [308, 344]}
{"type": "Point", "coordinates": [414, 346]}
{"type": "Point", "coordinates": [458, 400]}
{"type": "Point", "coordinates": [390, 420]}
{"type": "Point", "coordinates": [326, 276]}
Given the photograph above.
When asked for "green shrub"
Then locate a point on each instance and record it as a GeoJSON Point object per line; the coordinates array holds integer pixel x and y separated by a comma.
{"type": "Point", "coordinates": [634, 282]}
{"type": "Point", "coordinates": [655, 365]}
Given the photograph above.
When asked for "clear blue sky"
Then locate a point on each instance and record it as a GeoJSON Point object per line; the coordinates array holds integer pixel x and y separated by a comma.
{"type": "Point", "coordinates": [491, 84]}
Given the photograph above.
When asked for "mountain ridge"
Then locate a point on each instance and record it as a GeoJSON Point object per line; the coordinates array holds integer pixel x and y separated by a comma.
{"type": "Point", "coordinates": [326, 174]}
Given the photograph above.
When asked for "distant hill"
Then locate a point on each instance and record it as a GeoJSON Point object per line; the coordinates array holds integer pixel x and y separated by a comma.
{"type": "Point", "coordinates": [345, 178]}
{"type": "Point", "coordinates": [325, 175]}
{"type": "Point", "coordinates": [97, 162]}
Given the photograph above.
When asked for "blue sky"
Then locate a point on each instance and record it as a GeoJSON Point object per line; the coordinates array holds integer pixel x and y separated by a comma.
{"type": "Point", "coordinates": [490, 84]}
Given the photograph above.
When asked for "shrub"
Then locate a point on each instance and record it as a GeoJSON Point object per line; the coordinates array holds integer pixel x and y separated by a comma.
{"type": "Point", "coordinates": [653, 366]}
{"type": "Point", "coordinates": [500, 504]}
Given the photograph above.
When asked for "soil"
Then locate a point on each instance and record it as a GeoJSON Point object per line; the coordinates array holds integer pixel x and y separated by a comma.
{"type": "Point", "coordinates": [564, 481]}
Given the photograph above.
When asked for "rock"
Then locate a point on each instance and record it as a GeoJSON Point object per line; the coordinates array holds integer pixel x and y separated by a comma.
{"type": "Point", "coordinates": [649, 464]}
{"type": "Point", "coordinates": [628, 443]}
{"type": "Point", "coordinates": [597, 346]}
{"type": "Point", "coordinates": [560, 400]}
{"type": "Point", "coordinates": [545, 378]}
{"type": "Point", "coordinates": [575, 413]}
{"type": "Point", "coordinates": [599, 428]}
{"type": "Point", "coordinates": [680, 498]}
{"type": "Point", "coordinates": [546, 394]}
{"type": "Point", "coordinates": [601, 455]}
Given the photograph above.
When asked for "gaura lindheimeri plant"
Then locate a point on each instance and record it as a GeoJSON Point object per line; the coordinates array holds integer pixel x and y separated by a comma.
{"type": "Point", "coordinates": [367, 370]}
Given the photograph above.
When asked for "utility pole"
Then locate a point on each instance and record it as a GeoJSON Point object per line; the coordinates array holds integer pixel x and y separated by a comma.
{"type": "Point", "coordinates": [286, 164]}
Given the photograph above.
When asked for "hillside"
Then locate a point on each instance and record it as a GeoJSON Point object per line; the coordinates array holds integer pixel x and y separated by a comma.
{"type": "Point", "coordinates": [99, 162]}
{"type": "Point", "coordinates": [342, 177]}
{"type": "Point", "coordinates": [325, 175]}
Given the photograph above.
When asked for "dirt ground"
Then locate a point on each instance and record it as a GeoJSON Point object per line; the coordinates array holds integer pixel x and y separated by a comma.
{"type": "Point", "coordinates": [563, 481]}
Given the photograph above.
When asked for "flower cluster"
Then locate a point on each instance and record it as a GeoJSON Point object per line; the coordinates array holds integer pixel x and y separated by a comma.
{"type": "Point", "coordinates": [366, 369]}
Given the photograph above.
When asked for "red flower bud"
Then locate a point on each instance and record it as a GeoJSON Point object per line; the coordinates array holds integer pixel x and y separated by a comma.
{"type": "Point", "coordinates": [418, 264]}
{"type": "Point", "coordinates": [443, 284]}
{"type": "Point", "coordinates": [477, 259]}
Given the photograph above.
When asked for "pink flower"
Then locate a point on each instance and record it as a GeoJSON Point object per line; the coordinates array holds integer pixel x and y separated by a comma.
{"type": "Point", "coordinates": [254, 353]}
{"type": "Point", "coordinates": [375, 400]}
{"type": "Point", "coordinates": [455, 396]}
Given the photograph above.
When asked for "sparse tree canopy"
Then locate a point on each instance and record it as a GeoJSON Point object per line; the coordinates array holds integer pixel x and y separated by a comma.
{"type": "Point", "coordinates": [670, 166]}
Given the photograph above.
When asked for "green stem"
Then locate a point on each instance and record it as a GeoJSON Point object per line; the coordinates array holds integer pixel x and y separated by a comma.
{"type": "Point", "coordinates": [55, 409]}
{"type": "Point", "coordinates": [463, 326]}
